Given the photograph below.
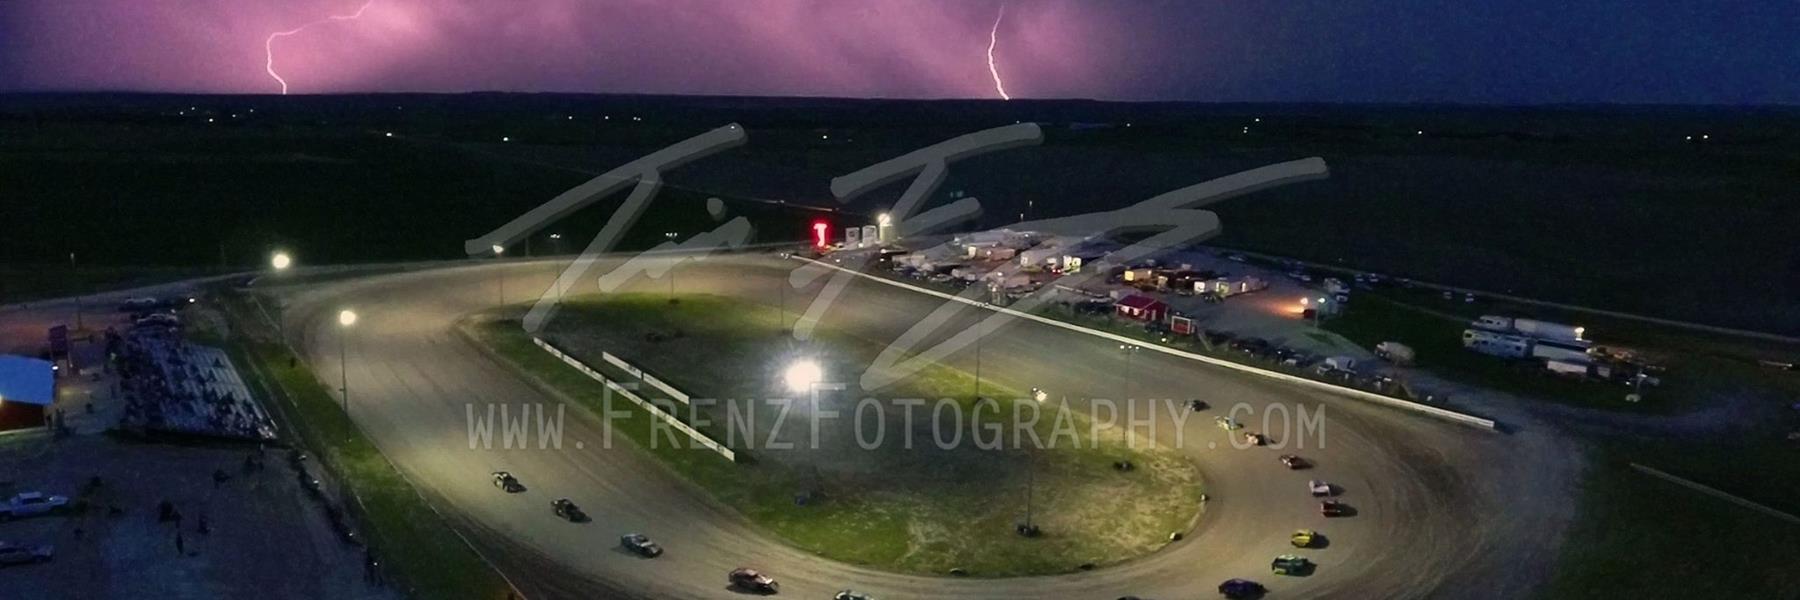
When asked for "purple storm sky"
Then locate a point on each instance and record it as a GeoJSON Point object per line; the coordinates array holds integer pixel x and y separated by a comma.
{"type": "Point", "coordinates": [1524, 51]}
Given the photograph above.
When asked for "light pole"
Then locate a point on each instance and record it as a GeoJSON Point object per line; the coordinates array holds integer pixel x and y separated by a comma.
{"type": "Point", "coordinates": [1129, 350]}
{"type": "Point", "coordinates": [280, 261]}
{"type": "Point", "coordinates": [346, 318]}
{"type": "Point", "coordinates": [980, 319]}
{"type": "Point", "coordinates": [74, 275]}
{"type": "Point", "coordinates": [1031, 530]}
{"type": "Point", "coordinates": [556, 243]}
{"type": "Point", "coordinates": [498, 250]}
{"type": "Point", "coordinates": [671, 236]}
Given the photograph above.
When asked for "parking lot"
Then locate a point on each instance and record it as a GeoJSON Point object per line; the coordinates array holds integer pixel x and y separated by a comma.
{"type": "Point", "coordinates": [246, 527]}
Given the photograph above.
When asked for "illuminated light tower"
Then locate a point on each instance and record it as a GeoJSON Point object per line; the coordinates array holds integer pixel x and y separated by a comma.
{"type": "Point", "coordinates": [802, 375]}
{"type": "Point", "coordinates": [346, 319]}
{"type": "Point", "coordinates": [884, 229]}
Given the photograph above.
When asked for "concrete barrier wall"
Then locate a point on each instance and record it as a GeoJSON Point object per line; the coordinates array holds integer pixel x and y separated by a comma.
{"type": "Point", "coordinates": [648, 406]}
{"type": "Point", "coordinates": [1433, 411]}
{"type": "Point", "coordinates": [647, 378]}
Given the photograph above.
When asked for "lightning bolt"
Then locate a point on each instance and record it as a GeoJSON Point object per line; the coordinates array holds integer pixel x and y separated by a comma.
{"type": "Point", "coordinates": [994, 40]}
{"type": "Point", "coordinates": [269, 43]}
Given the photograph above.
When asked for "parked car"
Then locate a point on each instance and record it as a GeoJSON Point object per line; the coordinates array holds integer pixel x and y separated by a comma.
{"type": "Point", "coordinates": [640, 544]}
{"type": "Point", "coordinates": [1303, 538]}
{"type": "Point", "coordinates": [1294, 462]}
{"type": "Point", "coordinates": [24, 555]}
{"type": "Point", "coordinates": [1289, 564]}
{"type": "Point", "coordinates": [1318, 488]}
{"type": "Point", "coordinates": [1241, 588]}
{"type": "Point", "coordinates": [28, 504]}
{"type": "Point", "coordinates": [752, 580]}
{"type": "Point", "coordinates": [567, 509]}
{"type": "Point", "coordinates": [506, 481]}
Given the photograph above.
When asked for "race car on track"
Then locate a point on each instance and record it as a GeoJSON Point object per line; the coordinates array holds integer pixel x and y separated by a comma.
{"type": "Point", "coordinates": [1333, 508]}
{"type": "Point", "coordinates": [852, 595]}
{"type": "Point", "coordinates": [1318, 488]}
{"type": "Point", "coordinates": [1226, 423]}
{"type": "Point", "coordinates": [1240, 588]}
{"type": "Point", "coordinates": [1294, 462]}
{"type": "Point", "coordinates": [506, 481]}
{"type": "Point", "coordinates": [752, 580]}
{"type": "Point", "coordinates": [1288, 564]}
{"type": "Point", "coordinates": [566, 509]}
{"type": "Point", "coordinates": [640, 545]}
{"type": "Point", "coordinates": [1303, 538]}
{"type": "Point", "coordinates": [1255, 439]}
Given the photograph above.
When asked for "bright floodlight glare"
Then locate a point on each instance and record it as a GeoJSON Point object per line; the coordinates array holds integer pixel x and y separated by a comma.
{"type": "Point", "coordinates": [884, 219]}
{"type": "Point", "coordinates": [498, 250]}
{"type": "Point", "coordinates": [347, 318]}
{"type": "Point", "coordinates": [801, 375]}
{"type": "Point", "coordinates": [281, 261]}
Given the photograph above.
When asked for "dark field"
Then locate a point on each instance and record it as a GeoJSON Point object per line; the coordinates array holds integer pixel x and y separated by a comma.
{"type": "Point", "coordinates": [1609, 207]}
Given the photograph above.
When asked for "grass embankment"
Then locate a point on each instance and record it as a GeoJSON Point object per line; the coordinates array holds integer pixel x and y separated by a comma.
{"type": "Point", "coordinates": [1636, 536]}
{"type": "Point", "coordinates": [923, 510]}
{"type": "Point", "coordinates": [420, 548]}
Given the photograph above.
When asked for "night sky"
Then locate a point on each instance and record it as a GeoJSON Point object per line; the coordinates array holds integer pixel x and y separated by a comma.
{"type": "Point", "coordinates": [1512, 52]}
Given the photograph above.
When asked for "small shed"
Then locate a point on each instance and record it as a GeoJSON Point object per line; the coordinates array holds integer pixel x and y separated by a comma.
{"type": "Point", "coordinates": [1141, 307]}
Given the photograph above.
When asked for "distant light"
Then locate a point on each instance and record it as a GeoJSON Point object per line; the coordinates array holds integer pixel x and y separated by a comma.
{"type": "Point", "coordinates": [1038, 395]}
{"type": "Point", "coordinates": [884, 220]}
{"type": "Point", "coordinates": [571, 117]}
{"type": "Point", "coordinates": [1705, 137]}
{"type": "Point", "coordinates": [824, 137]}
{"type": "Point", "coordinates": [1419, 132]}
{"type": "Point", "coordinates": [637, 118]}
{"type": "Point", "coordinates": [1690, 138]}
{"type": "Point", "coordinates": [820, 236]}
{"type": "Point", "coordinates": [347, 318]}
{"type": "Point", "coordinates": [1257, 120]}
{"type": "Point", "coordinates": [389, 134]}
{"type": "Point", "coordinates": [506, 139]}
{"type": "Point", "coordinates": [801, 376]}
{"type": "Point", "coordinates": [209, 119]}
{"type": "Point", "coordinates": [498, 250]}
{"type": "Point", "coordinates": [556, 236]}
{"type": "Point", "coordinates": [1306, 301]}
{"type": "Point", "coordinates": [606, 117]}
{"type": "Point", "coordinates": [281, 261]}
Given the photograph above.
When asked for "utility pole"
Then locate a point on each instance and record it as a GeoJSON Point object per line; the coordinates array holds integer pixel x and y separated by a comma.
{"type": "Point", "coordinates": [77, 277]}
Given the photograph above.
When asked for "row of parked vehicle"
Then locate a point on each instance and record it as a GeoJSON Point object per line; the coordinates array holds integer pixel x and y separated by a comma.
{"type": "Point", "coordinates": [23, 505]}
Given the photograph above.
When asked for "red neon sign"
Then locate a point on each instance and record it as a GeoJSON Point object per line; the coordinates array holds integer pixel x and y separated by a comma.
{"type": "Point", "coordinates": [819, 233]}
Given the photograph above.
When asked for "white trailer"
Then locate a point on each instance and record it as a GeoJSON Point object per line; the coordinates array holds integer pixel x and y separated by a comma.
{"type": "Point", "coordinates": [1494, 343]}
{"type": "Point", "coordinates": [1547, 330]}
{"type": "Point", "coordinates": [1561, 350]}
{"type": "Point", "coordinates": [1395, 352]}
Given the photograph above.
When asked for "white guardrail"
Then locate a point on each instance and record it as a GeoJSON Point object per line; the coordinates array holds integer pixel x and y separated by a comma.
{"type": "Point", "coordinates": [1448, 415]}
{"type": "Point", "coordinates": [650, 407]}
